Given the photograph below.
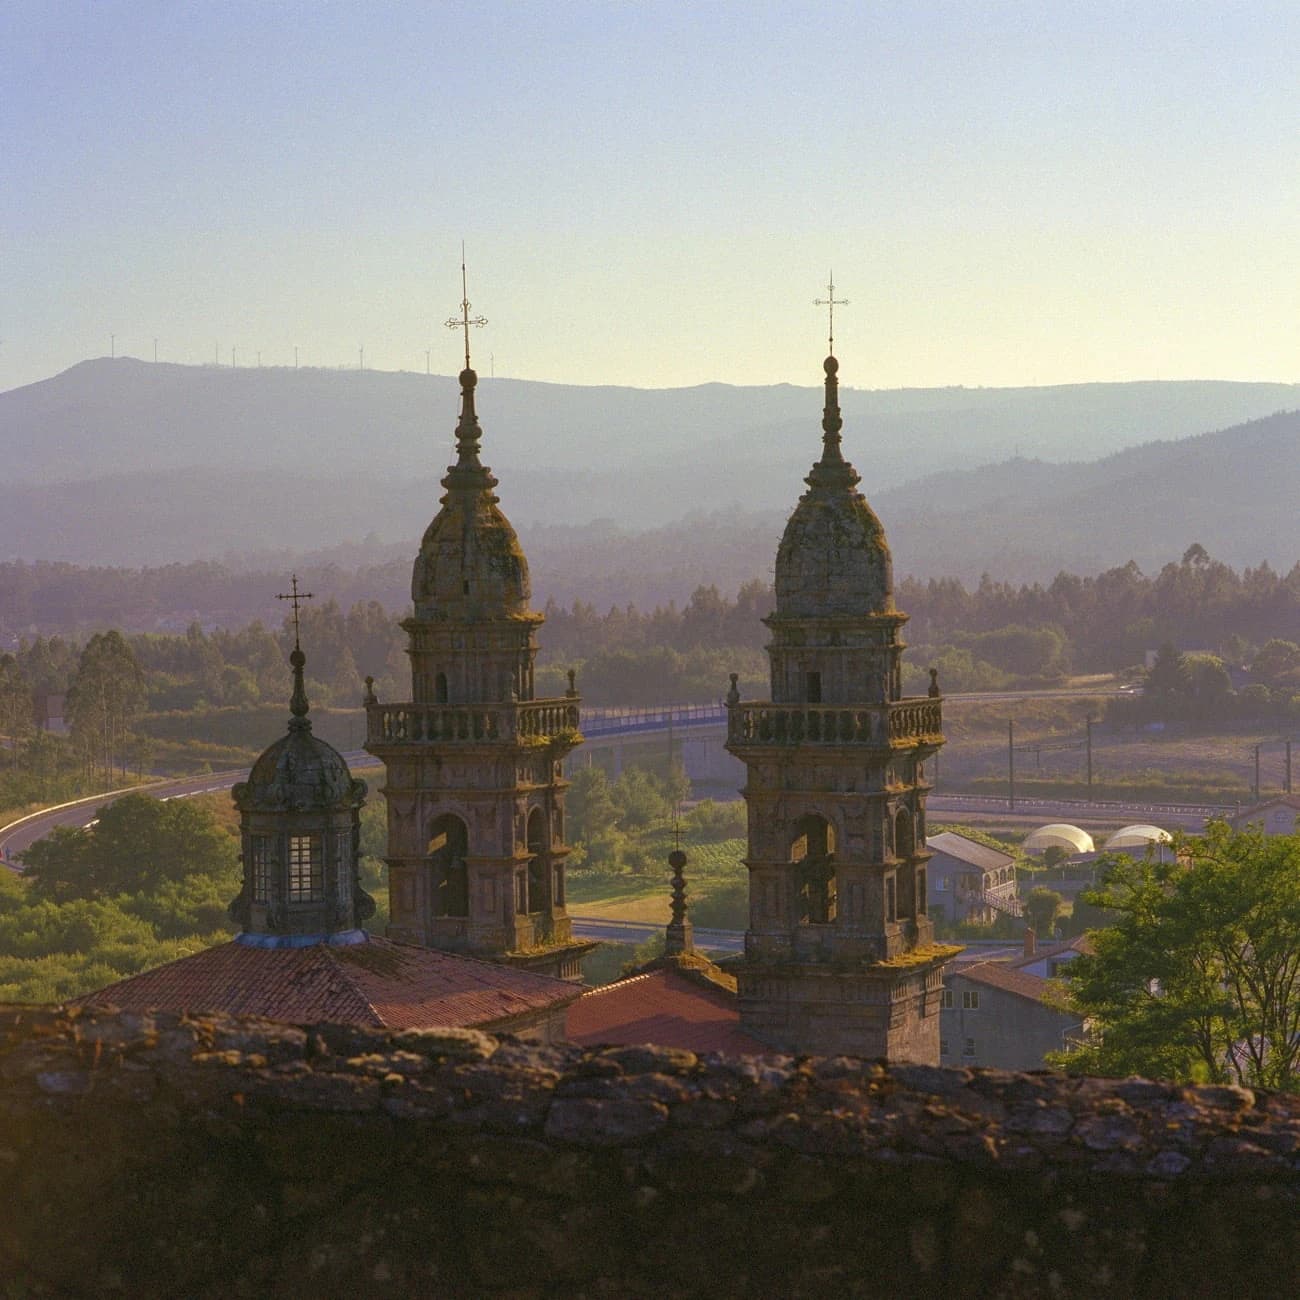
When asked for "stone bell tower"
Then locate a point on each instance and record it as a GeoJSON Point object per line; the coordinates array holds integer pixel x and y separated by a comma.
{"type": "Point", "coordinates": [473, 761]}
{"type": "Point", "coordinates": [839, 953]}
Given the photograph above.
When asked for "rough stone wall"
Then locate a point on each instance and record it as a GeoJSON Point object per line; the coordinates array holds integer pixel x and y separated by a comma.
{"type": "Point", "coordinates": [205, 1157]}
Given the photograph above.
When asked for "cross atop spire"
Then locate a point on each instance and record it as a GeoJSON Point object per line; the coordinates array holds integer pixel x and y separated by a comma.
{"type": "Point", "coordinates": [464, 320]}
{"type": "Point", "coordinates": [830, 302]}
{"type": "Point", "coordinates": [297, 597]}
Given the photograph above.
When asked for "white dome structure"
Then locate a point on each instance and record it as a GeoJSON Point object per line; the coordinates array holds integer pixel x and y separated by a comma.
{"type": "Point", "coordinates": [1136, 836]}
{"type": "Point", "coordinates": [1059, 835]}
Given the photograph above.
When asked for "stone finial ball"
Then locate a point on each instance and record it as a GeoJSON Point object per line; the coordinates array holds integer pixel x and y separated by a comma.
{"type": "Point", "coordinates": [677, 859]}
{"type": "Point", "coordinates": [830, 365]}
{"type": "Point", "coordinates": [468, 378]}
{"type": "Point", "coordinates": [297, 659]}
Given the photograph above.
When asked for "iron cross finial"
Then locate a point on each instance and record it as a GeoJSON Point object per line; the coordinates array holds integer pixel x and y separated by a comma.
{"type": "Point", "coordinates": [297, 597]}
{"type": "Point", "coordinates": [831, 302]}
{"type": "Point", "coordinates": [464, 320]}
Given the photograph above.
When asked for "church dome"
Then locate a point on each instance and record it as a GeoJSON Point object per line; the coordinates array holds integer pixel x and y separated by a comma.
{"type": "Point", "coordinates": [470, 564]}
{"type": "Point", "coordinates": [299, 772]}
{"type": "Point", "coordinates": [833, 559]}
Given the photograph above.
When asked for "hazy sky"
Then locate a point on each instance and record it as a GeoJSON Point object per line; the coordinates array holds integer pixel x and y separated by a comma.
{"type": "Point", "coordinates": [652, 193]}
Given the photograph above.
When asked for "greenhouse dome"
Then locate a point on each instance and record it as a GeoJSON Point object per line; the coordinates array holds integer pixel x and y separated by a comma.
{"type": "Point", "coordinates": [1131, 837]}
{"type": "Point", "coordinates": [1059, 835]}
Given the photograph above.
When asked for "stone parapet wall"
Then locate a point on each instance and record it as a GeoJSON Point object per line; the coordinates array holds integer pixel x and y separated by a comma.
{"type": "Point", "coordinates": [205, 1157]}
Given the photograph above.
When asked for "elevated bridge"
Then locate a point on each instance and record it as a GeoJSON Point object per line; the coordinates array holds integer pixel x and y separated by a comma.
{"type": "Point", "coordinates": [695, 734]}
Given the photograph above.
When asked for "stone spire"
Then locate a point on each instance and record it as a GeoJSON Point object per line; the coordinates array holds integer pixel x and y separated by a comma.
{"type": "Point", "coordinates": [833, 558]}
{"type": "Point", "coordinates": [471, 567]}
{"type": "Point", "coordinates": [680, 936]}
{"type": "Point", "coordinates": [832, 471]}
{"type": "Point", "coordinates": [298, 703]}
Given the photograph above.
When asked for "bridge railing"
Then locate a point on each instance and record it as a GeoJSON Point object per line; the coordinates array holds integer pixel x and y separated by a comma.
{"type": "Point", "coordinates": [621, 722]}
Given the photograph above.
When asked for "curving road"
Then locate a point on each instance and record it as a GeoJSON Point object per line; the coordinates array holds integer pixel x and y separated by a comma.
{"type": "Point", "coordinates": [18, 835]}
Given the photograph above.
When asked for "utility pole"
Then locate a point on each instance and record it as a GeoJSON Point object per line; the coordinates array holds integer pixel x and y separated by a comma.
{"type": "Point", "coordinates": [112, 346]}
{"type": "Point", "coordinates": [259, 359]}
{"type": "Point", "coordinates": [232, 356]}
{"type": "Point", "coordinates": [1258, 794]}
{"type": "Point", "coordinates": [426, 359]}
{"type": "Point", "coordinates": [295, 356]}
{"type": "Point", "coordinates": [1288, 767]}
{"type": "Point", "coordinates": [216, 353]}
{"type": "Point", "coordinates": [155, 352]}
{"type": "Point", "coordinates": [361, 357]}
{"type": "Point", "coordinates": [1011, 765]}
{"type": "Point", "coordinates": [1089, 757]}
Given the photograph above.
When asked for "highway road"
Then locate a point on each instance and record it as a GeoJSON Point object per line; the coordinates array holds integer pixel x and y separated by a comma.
{"type": "Point", "coordinates": [597, 927]}
{"type": "Point", "coordinates": [16, 836]}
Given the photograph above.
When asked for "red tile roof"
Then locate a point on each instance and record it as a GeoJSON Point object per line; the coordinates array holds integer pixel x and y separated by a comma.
{"type": "Point", "coordinates": [665, 1008]}
{"type": "Point", "coordinates": [999, 975]}
{"type": "Point", "coordinates": [1079, 944]}
{"type": "Point", "coordinates": [394, 985]}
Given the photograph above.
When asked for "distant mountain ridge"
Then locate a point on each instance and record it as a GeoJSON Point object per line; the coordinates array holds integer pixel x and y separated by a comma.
{"type": "Point", "coordinates": [134, 464]}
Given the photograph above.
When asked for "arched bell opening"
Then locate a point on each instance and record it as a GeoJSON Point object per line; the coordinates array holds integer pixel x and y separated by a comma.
{"type": "Point", "coordinates": [447, 849]}
{"type": "Point", "coordinates": [904, 850]}
{"type": "Point", "coordinates": [813, 853]}
{"type": "Point", "coordinates": [539, 862]}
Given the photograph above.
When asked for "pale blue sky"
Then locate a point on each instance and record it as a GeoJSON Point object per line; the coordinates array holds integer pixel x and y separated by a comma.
{"type": "Point", "coordinates": [652, 194]}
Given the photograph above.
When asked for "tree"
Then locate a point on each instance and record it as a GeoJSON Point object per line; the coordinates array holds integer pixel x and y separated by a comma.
{"type": "Point", "coordinates": [1042, 907]}
{"type": "Point", "coordinates": [106, 694]}
{"type": "Point", "coordinates": [1166, 682]}
{"type": "Point", "coordinates": [638, 799]}
{"type": "Point", "coordinates": [15, 706]}
{"type": "Point", "coordinates": [1199, 977]}
{"type": "Point", "coordinates": [135, 844]}
{"type": "Point", "coordinates": [589, 804]}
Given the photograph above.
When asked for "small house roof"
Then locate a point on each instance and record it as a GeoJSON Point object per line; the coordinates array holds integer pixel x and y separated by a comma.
{"type": "Point", "coordinates": [958, 846]}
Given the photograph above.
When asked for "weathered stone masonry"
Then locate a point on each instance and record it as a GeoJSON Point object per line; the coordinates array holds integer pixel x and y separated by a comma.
{"type": "Point", "coordinates": [205, 1157]}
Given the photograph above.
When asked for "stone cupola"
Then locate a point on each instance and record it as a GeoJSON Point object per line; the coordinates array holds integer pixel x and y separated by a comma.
{"type": "Point", "coordinates": [470, 566]}
{"type": "Point", "coordinates": [833, 558]}
{"type": "Point", "coordinates": [299, 818]}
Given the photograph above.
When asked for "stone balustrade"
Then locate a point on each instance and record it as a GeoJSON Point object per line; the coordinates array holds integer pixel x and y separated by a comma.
{"type": "Point", "coordinates": [898, 723]}
{"type": "Point", "coordinates": [505, 723]}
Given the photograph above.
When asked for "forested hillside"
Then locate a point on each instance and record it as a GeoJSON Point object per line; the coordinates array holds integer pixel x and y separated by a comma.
{"type": "Point", "coordinates": [124, 463]}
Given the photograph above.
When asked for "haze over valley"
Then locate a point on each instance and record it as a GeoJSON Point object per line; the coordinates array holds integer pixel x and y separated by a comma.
{"type": "Point", "coordinates": [632, 494]}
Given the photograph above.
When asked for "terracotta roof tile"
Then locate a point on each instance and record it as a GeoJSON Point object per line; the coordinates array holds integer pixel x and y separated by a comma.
{"type": "Point", "coordinates": [664, 1008]}
{"type": "Point", "coordinates": [999, 975]}
{"type": "Point", "coordinates": [394, 985]}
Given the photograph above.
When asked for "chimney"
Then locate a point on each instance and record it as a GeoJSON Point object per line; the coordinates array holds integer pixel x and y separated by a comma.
{"type": "Point", "coordinates": [1031, 941]}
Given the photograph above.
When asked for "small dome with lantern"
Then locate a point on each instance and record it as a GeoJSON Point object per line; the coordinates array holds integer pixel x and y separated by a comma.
{"type": "Point", "coordinates": [300, 828]}
{"type": "Point", "coordinates": [299, 772]}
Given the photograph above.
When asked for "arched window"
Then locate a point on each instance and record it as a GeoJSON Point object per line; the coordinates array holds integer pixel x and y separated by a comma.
{"type": "Point", "coordinates": [904, 848]}
{"type": "Point", "coordinates": [904, 843]}
{"type": "Point", "coordinates": [448, 849]}
{"type": "Point", "coordinates": [538, 862]}
{"type": "Point", "coordinates": [813, 853]}
{"type": "Point", "coordinates": [440, 688]}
